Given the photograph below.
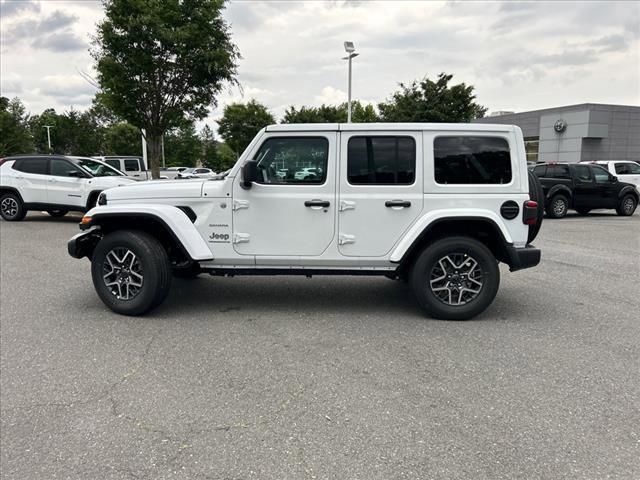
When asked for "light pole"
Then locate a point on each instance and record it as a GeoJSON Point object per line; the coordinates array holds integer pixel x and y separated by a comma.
{"type": "Point", "coordinates": [48, 127]}
{"type": "Point", "coordinates": [351, 54]}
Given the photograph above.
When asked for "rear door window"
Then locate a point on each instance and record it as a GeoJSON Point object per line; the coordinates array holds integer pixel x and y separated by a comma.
{"type": "Point", "coordinates": [472, 160]}
{"type": "Point", "coordinates": [38, 166]}
{"type": "Point", "coordinates": [583, 173]}
{"type": "Point", "coordinates": [131, 165]}
{"type": "Point", "coordinates": [383, 160]}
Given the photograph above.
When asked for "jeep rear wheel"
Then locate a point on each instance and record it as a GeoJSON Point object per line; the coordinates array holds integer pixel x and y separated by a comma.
{"type": "Point", "coordinates": [455, 278]}
{"type": "Point", "coordinates": [11, 207]}
{"type": "Point", "coordinates": [131, 272]}
{"type": "Point", "coordinates": [558, 206]}
{"type": "Point", "coordinates": [627, 206]}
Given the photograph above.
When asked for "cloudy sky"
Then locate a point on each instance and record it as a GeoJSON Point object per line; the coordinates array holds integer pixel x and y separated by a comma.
{"type": "Point", "coordinates": [519, 56]}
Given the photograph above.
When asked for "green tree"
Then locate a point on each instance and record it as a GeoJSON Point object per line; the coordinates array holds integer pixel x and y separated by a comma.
{"type": "Point", "coordinates": [429, 101]}
{"type": "Point", "coordinates": [240, 122]}
{"type": "Point", "coordinates": [72, 133]}
{"type": "Point", "coordinates": [331, 114]}
{"type": "Point", "coordinates": [15, 135]}
{"type": "Point", "coordinates": [226, 157]}
{"type": "Point", "coordinates": [160, 62]}
{"type": "Point", "coordinates": [122, 139]}
{"type": "Point", "coordinates": [182, 147]}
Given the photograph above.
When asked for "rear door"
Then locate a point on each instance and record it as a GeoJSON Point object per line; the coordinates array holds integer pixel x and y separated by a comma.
{"type": "Point", "coordinates": [584, 191]}
{"type": "Point", "coordinates": [606, 187]}
{"type": "Point", "coordinates": [380, 190]}
{"type": "Point", "coordinates": [32, 178]}
{"type": "Point", "coordinates": [132, 169]}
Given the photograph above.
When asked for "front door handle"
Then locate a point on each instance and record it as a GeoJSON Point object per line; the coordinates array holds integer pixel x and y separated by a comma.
{"type": "Point", "coordinates": [397, 203]}
{"type": "Point", "coordinates": [317, 203]}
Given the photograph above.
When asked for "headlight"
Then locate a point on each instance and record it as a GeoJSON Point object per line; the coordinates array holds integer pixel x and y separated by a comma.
{"type": "Point", "coordinates": [102, 199]}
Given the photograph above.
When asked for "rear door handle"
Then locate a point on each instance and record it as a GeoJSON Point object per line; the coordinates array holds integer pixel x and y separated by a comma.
{"type": "Point", "coordinates": [397, 203]}
{"type": "Point", "coordinates": [317, 203]}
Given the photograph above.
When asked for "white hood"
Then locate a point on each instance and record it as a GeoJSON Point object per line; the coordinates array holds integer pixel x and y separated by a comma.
{"type": "Point", "coordinates": [157, 189]}
{"type": "Point", "coordinates": [102, 183]}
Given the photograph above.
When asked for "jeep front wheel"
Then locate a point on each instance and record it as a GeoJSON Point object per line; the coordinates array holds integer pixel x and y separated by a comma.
{"type": "Point", "coordinates": [131, 272]}
{"type": "Point", "coordinates": [455, 278]}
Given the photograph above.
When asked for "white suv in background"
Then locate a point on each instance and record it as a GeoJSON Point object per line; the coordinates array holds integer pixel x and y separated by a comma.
{"type": "Point", "coordinates": [625, 170]}
{"type": "Point", "coordinates": [53, 183]}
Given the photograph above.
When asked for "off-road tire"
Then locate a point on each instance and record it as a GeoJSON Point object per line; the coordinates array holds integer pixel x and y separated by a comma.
{"type": "Point", "coordinates": [57, 213]}
{"type": "Point", "coordinates": [627, 205]}
{"type": "Point", "coordinates": [11, 207]}
{"type": "Point", "coordinates": [554, 210]}
{"type": "Point", "coordinates": [156, 271]}
{"type": "Point", "coordinates": [421, 273]}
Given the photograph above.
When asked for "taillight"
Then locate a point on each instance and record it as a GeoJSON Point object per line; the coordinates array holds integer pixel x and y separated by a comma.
{"type": "Point", "coordinates": [530, 213]}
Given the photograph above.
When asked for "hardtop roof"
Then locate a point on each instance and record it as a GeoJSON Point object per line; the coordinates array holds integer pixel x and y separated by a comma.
{"type": "Point", "coordinates": [357, 127]}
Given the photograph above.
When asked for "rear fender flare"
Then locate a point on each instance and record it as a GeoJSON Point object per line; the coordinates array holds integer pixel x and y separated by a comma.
{"type": "Point", "coordinates": [174, 220]}
{"type": "Point", "coordinates": [428, 220]}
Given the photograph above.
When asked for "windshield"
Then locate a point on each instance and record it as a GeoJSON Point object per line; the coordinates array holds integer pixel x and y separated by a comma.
{"type": "Point", "coordinates": [97, 169]}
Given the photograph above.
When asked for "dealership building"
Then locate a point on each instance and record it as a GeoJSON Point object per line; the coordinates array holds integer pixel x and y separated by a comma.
{"type": "Point", "coordinates": [589, 131]}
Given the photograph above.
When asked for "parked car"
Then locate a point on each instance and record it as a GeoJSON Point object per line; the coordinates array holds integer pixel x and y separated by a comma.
{"type": "Point", "coordinates": [437, 204]}
{"type": "Point", "coordinates": [196, 173]}
{"type": "Point", "coordinates": [625, 170]}
{"type": "Point", "coordinates": [133, 167]}
{"type": "Point", "coordinates": [308, 174]}
{"type": "Point", "coordinates": [584, 187]}
{"type": "Point", "coordinates": [171, 172]}
{"type": "Point", "coordinates": [55, 183]}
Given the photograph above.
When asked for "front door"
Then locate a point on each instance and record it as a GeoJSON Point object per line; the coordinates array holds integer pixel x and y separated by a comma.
{"type": "Point", "coordinates": [381, 190]}
{"type": "Point", "coordinates": [63, 187]}
{"type": "Point", "coordinates": [291, 212]}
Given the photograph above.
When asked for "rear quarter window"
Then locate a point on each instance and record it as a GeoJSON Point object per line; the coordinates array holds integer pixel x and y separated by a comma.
{"type": "Point", "coordinates": [463, 160]}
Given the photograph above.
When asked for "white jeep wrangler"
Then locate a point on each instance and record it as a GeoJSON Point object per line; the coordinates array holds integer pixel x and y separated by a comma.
{"type": "Point", "coordinates": [438, 205]}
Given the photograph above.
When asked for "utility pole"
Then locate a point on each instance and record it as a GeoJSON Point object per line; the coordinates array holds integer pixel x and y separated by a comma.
{"type": "Point", "coordinates": [48, 127]}
{"type": "Point", "coordinates": [350, 49]}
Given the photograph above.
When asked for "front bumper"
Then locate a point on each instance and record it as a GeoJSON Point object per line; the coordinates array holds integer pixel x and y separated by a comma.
{"type": "Point", "coordinates": [82, 244]}
{"type": "Point", "coordinates": [520, 258]}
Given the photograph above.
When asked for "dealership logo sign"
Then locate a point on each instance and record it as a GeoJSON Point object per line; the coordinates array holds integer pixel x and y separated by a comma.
{"type": "Point", "coordinates": [560, 126]}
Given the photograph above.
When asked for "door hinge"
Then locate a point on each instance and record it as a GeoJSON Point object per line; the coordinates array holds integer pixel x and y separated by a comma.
{"type": "Point", "coordinates": [240, 204]}
{"type": "Point", "coordinates": [343, 239]}
{"type": "Point", "coordinates": [346, 205]}
{"type": "Point", "coordinates": [241, 238]}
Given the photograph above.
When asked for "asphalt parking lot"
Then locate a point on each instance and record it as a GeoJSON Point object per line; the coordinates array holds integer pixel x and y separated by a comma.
{"type": "Point", "coordinates": [342, 378]}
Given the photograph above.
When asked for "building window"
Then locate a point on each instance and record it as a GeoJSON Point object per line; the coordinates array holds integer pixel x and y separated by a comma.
{"type": "Point", "coordinates": [532, 147]}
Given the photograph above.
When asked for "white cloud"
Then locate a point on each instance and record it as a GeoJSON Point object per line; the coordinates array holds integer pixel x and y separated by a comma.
{"type": "Point", "coordinates": [515, 54]}
{"type": "Point", "coordinates": [330, 95]}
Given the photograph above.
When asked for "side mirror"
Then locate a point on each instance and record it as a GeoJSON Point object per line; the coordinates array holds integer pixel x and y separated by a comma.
{"type": "Point", "coordinates": [249, 174]}
{"type": "Point", "coordinates": [613, 179]}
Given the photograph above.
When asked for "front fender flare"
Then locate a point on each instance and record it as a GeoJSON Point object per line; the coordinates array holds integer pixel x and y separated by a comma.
{"type": "Point", "coordinates": [430, 218]}
{"type": "Point", "coordinates": [174, 219]}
